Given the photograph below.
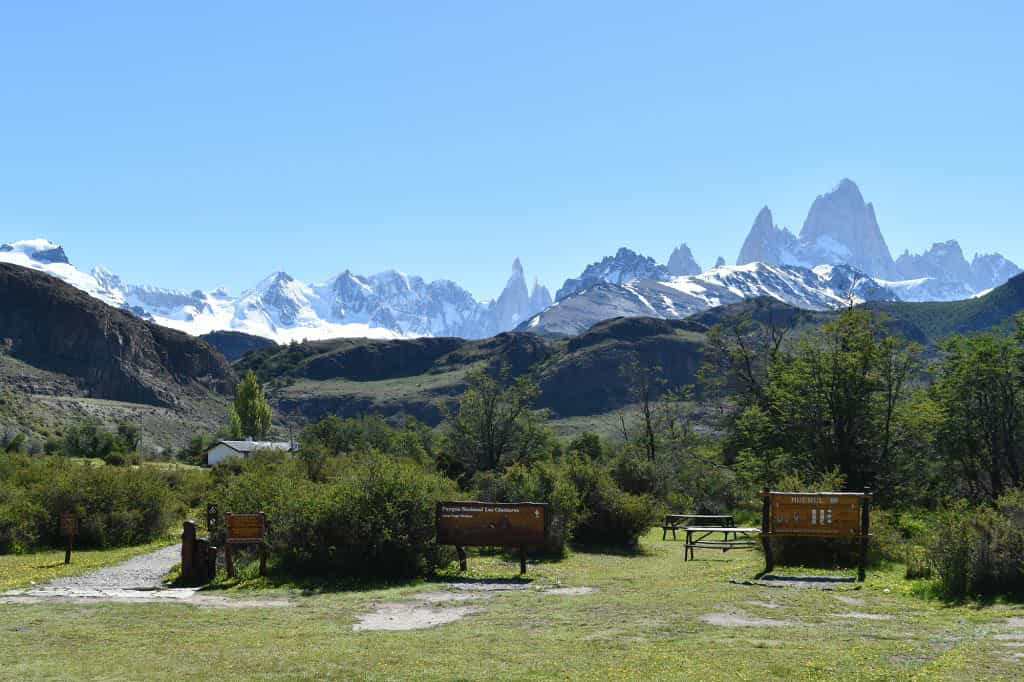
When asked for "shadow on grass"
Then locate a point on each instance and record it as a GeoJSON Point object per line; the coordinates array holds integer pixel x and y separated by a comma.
{"type": "Point", "coordinates": [284, 577]}
{"type": "Point", "coordinates": [614, 550]}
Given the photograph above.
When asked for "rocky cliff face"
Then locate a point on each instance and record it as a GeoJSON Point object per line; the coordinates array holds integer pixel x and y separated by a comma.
{"type": "Point", "coordinates": [767, 243]}
{"type": "Point", "coordinates": [110, 353]}
{"type": "Point", "coordinates": [825, 287]}
{"type": "Point", "coordinates": [682, 262]}
{"type": "Point", "coordinates": [841, 229]}
{"type": "Point", "coordinates": [388, 304]}
{"type": "Point", "coordinates": [625, 266]}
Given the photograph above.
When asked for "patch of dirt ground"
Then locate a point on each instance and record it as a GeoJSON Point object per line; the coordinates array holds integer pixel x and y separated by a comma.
{"type": "Point", "coordinates": [439, 607]}
{"type": "Point", "coordinates": [739, 619]}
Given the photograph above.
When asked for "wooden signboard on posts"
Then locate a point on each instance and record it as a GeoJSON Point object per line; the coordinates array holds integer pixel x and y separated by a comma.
{"type": "Point", "coordinates": [245, 529]}
{"type": "Point", "coordinates": [69, 529]}
{"type": "Point", "coordinates": [492, 524]}
{"type": "Point", "coordinates": [826, 515]}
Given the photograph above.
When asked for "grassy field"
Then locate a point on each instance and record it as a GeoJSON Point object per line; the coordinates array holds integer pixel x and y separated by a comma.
{"type": "Point", "coordinates": [21, 570]}
{"type": "Point", "coordinates": [651, 616]}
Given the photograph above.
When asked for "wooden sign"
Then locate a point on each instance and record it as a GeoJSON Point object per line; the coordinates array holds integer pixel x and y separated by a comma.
{"type": "Point", "coordinates": [825, 515]}
{"type": "Point", "coordinates": [492, 524]}
{"type": "Point", "coordinates": [816, 514]}
{"type": "Point", "coordinates": [245, 529]}
{"type": "Point", "coordinates": [68, 524]}
{"type": "Point", "coordinates": [69, 529]}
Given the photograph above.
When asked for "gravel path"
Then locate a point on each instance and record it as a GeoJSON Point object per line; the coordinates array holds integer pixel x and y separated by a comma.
{"type": "Point", "coordinates": [137, 579]}
{"type": "Point", "coordinates": [140, 573]}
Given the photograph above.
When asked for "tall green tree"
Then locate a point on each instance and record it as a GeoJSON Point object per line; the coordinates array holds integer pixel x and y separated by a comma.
{"type": "Point", "coordinates": [979, 388]}
{"type": "Point", "coordinates": [251, 409]}
{"type": "Point", "coordinates": [495, 424]}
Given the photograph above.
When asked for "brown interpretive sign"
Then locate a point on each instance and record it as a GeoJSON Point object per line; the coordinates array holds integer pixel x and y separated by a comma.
{"type": "Point", "coordinates": [825, 515]}
{"type": "Point", "coordinates": [68, 523]}
{"type": "Point", "coordinates": [816, 514]}
{"type": "Point", "coordinates": [492, 524]}
{"type": "Point", "coordinates": [245, 529]}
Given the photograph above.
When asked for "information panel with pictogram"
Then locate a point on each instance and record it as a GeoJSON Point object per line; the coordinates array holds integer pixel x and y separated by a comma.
{"type": "Point", "coordinates": [824, 515]}
{"type": "Point", "coordinates": [492, 524]}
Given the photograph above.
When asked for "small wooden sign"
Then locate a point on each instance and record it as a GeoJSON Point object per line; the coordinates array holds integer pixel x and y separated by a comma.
{"type": "Point", "coordinates": [492, 524]}
{"type": "Point", "coordinates": [69, 529]}
{"type": "Point", "coordinates": [245, 529]}
{"type": "Point", "coordinates": [68, 524]}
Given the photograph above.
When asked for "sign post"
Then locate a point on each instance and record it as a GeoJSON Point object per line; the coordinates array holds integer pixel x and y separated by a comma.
{"type": "Point", "coordinates": [245, 529]}
{"type": "Point", "coordinates": [826, 515]}
{"type": "Point", "coordinates": [69, 529]}
{"type": "Point", "coordinates": [492, 524]}
{"type": "Point", "coordinates": [211, 519]}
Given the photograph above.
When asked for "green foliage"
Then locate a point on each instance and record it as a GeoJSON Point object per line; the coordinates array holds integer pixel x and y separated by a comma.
{"type": "Point", "coordinates": [494, 424]}
{"type": "Point", "coordinates": [251, 409]}
{"type": "Point", "coordinates": [374, 516]}
{"type": "Point", "coordinates": [979, 390]}
{"type": "Point", "coordinates": [979, 551]}
{"type": "Point", "coordinates": [195, 451]}
{"type": "Point", "coordinates": [586, 504]}
{"type": "Point", "coordinates": [89, 439]}
{"type": "Point", "coordinates": [116, 506]}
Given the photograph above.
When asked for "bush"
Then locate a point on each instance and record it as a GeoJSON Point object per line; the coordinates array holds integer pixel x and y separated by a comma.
{"type": "Point", "coordinates": [115, 506]}
{"type": "Point", "coordinates": [544, 481]}
{"type": "Point", "coordinates": [374, 516]}
{"type": "Point", "coordinates": [586, 504]}
{"type": "Point", "coordinates": [608, 515]}
{"type": "Point", "coordinates": [979, 552]}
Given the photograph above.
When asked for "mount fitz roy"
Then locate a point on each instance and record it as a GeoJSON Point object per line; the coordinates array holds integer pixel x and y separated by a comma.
{"type": "Point", "coordinates": [839, 258]}
{"type": "Point", "coordinates": [841, 228]}
{"type": "Point", "coordinates": [389, 304]}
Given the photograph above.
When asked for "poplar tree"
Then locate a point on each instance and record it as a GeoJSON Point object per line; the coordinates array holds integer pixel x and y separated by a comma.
{"type": "Point", "coordinates": [251, 408]}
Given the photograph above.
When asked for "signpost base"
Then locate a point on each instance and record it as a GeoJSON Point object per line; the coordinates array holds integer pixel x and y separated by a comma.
{"type": "Point", "coordinates": [461, 551]}
{"type": "Point", "coordinates": [522, 560]}
{"type": "Point", "coordinates": [67, 551]}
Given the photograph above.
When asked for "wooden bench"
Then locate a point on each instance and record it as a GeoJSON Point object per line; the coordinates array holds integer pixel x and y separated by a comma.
{"type": "Point", "coordinates": [742, 538]}
{"type": "Point", "coordinates": [674, 522]}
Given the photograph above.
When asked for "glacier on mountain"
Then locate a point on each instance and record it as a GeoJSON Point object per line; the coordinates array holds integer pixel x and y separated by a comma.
{"type": "Point", "coordinates": [389, 304]}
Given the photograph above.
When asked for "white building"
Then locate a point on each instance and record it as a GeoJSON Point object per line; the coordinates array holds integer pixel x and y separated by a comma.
{"type": "Point", "coordinates": [242, 448]}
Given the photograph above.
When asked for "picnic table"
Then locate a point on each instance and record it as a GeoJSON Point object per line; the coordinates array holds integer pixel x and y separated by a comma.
{"type": "Point", "coordinates": [674, 522]}
{"type": "Point", "coordinates": [698, 536]}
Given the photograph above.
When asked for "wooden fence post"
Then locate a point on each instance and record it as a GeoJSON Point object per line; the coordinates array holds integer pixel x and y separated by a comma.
{"type": "Point", "coordinates": [865, 531]}
{"type": "Point", "coordinates": [766, 540]}
{"type": "Point", "coordinates": [188, 550]}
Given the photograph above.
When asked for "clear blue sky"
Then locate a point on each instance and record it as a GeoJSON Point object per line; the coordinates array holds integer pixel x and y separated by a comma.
{"type": "Point", "coordinates": [210, 143]}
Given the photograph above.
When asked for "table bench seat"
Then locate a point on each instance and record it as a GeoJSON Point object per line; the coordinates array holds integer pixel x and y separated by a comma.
{"type": "Point", "coordinates": [674, 522]}
{"type": "Point", "coordinates": [744, 537]}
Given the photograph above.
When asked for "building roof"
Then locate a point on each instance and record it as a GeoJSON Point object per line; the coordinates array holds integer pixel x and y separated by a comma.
{"type": "Point", "coordinates": [247, 446]}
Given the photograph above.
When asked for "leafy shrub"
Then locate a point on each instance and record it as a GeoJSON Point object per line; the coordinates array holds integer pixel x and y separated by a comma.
{"type": "Point", "coordinates": [373, 516]}
{"type": "Point", "coordinates": [544, 481]}
{"type": "Point", "coordinates": [608, 515]}
{"type": "Point", "coordinates": [979, 552]}
{"type": "Point", "coordinates": [115, 506]}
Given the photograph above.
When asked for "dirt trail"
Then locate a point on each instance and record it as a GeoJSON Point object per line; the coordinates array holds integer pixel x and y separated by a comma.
{"type": "Point", "coordinates": [135, 580]}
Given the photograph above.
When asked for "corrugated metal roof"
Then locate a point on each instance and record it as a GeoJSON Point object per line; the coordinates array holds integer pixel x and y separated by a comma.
{"type": "Point", "coordinates": [248, 446]}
